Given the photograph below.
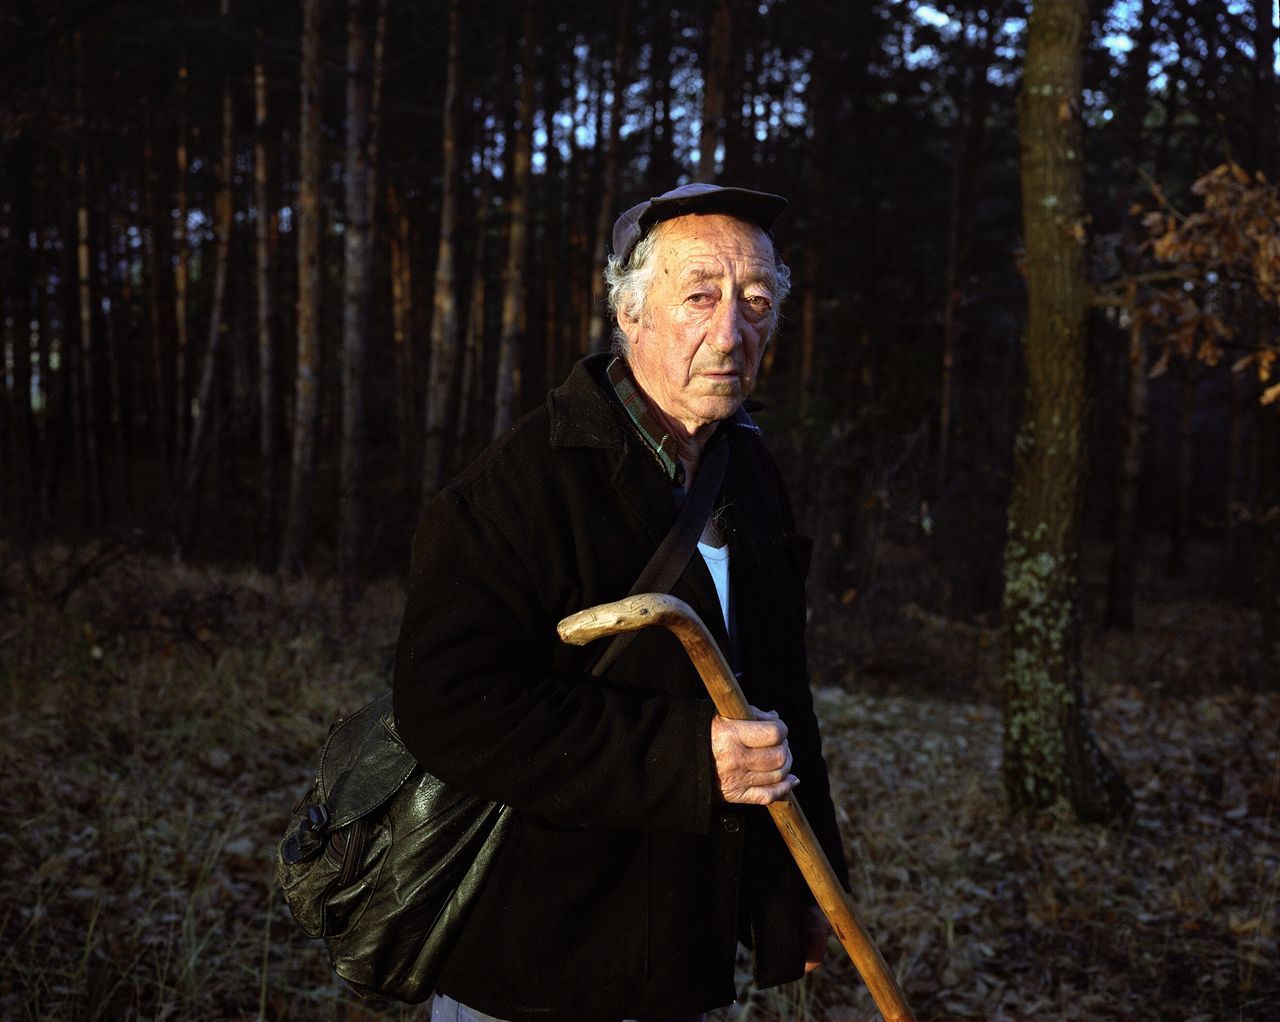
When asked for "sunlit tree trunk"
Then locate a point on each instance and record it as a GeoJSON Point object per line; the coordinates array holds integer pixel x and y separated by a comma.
{"type": "Point", "coordinates": [442, 382]}
{"type": "Point", "coordinates": [599, 326]}
{"type": "Point", "coordinates": [1050, 756]}
{"type": "Point", "coordinates": [507, 389]}
{"type": "Point", "coordinates": [307, 381]}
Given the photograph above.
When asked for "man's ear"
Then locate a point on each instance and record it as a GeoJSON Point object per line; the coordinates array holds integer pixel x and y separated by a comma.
{"type": "Point", "coordinates": [628, 324]}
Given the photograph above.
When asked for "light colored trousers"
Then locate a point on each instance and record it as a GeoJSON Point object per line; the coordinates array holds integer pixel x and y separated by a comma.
{"type": "Point", "coordinates": [445, 1009]}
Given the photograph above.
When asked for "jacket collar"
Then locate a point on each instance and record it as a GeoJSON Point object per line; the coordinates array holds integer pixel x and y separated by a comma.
{"type": "Point", "coordinates": [582, 412]}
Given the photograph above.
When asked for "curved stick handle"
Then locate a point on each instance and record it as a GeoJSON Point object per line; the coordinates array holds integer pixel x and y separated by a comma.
{"type": "Point", "coordinates": [647, 609]}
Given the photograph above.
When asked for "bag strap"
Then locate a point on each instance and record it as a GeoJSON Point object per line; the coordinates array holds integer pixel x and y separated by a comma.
{"type": "Point", "coordinates": [673, 553]}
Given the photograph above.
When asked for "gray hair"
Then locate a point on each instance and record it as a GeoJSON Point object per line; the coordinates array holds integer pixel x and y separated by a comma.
{"type": "Point", "coordinates": [627, 285]}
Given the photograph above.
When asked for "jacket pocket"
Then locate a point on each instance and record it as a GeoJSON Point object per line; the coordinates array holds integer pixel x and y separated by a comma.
{"type": "Point", "coordinates": [577, 901]}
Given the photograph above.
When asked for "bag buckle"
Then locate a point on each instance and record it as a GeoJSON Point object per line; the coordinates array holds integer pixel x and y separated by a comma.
{"type": "Point", "coordinates": [310, 837]}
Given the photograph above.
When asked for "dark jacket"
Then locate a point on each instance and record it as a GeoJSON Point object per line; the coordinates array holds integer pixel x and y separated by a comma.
{"type": "Point", "coordinates": [625, 882]}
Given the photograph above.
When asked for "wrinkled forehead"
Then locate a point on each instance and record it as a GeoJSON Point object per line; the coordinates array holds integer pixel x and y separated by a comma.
{"type": "Point", "coordinates": [703, 245]}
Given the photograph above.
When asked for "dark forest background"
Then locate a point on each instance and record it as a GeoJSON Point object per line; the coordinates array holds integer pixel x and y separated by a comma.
{"type": "Point", "coordinates": [155, 186]}
{"type": "Point", "coordinates": [272, 273]}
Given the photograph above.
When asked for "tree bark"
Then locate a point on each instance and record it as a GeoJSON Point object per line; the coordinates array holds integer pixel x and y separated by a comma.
{"type": "Point", "coordinates": [181, 274]}
{"type": "Point", "coordinates": [358, 263]}
{"type": "Point", "coordinates": [306, 386]}
{"type": "Point", "coordinates": [662, 162]}
{"type": "Point", "coordinates": [203, 418]}
{"type": "Point", "coordinates": [91, 465]}
{"type": "Point", "coordinates": [1050, 756]}
{"type": "Point", "coordinates": [507, 389]}
{"type": "Point", "coordinates": [1180, 505]}
{"type": "Point", "coordinates": [407, 425]}
{"type": "Point", "coordinates": [971, 129]}
{"type": "Point", "coordinates": [1121, 580]}
{"type": "Point", "coordinates": [161, 407]}
{"type": "Point", "coordinates": [715, 90]}
{"type": "Point", "coordinates": [20, 488]}
{"type": "Point", "coordinates": [473, 338]}
{"type": "Point", "coordinates": [268, 403]}
{"type": "Point", "coordinates": [442, 385]}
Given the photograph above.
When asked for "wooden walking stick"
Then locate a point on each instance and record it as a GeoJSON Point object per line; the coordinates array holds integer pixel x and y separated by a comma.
{"type": "Point", "coordinates": [636, 612]}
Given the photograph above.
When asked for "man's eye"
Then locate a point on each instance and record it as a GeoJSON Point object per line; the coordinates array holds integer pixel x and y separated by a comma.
{"type": "Point", "coordinates": [701, 298]}
{"type": "Point", "coordinates": [759, 303]}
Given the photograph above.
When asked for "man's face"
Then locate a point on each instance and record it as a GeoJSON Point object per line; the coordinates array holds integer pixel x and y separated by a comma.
{"type": "Point", "coordinates": [696, 347]}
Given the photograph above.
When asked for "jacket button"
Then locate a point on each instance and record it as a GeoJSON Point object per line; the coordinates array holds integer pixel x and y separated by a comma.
{"type": "Point", "coordinates": [731, 823]}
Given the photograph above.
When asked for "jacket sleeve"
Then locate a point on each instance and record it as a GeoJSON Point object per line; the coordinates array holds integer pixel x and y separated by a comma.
{"type": "Point", "coordinates": [478, 703]}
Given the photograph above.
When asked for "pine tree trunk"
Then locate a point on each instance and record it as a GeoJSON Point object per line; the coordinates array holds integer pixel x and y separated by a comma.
{"type": "Point", "coordinates": [970, 142]}
{"type": "Point", "coordinates": [1121, 579]}
{"type": "Point", "coordinates": [1269, 540]}
{"type": "Point", "coordinates": [202, 436]}
{"type": "Point", "coordinates": [599, 328]}
{"type": "Point", "coordinates": [307, 380]}
{"type": "Point", "coordinates": [507, 389]}
{"type": "Point", "coordinates": [181, 274]}
{"type": "Point", "coordinates": [715, 90]}
{"type": "Point", "coordinates": [473, 337]}
{"type": "Point", "coordinates": [1180, 505]}
{"type": "Point", "coordinates": [442, 382]}
{"type": "Point", "coordinates": [1050, 756]}
{"type": "Point", "coordinates": [662, 162]}
{"type": "Point", "coordinates": [161, 408]}
{"type": "Point", "coordinates": [19, 487]}
{"type": "Point", "coordinates": [358, 251]}
{"type": "Point", "coordinates": [91, 465]}
{"type": "Point", "coordinates": [268, 404]}
{"type": "Point", "coordinates": [402, 342]}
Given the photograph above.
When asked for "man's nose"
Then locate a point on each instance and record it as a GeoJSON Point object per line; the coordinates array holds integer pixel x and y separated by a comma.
{"type": "Point", "coordinates": [726, 326]}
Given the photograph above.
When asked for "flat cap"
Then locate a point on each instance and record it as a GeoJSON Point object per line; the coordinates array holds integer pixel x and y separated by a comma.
{"type": "Point", "coordinates": [761, 208]}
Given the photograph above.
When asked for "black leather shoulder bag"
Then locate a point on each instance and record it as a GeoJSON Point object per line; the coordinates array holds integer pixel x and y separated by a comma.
{"type": "Point", "coordinates": [381, 859]}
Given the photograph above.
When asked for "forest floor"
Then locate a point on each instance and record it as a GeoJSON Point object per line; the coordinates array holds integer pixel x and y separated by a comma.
{"type": "Point", "coordinates": [160, 720]}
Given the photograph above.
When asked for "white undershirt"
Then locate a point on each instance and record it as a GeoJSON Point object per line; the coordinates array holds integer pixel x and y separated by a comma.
{"type": "Point", "coordinates": [717, 559]}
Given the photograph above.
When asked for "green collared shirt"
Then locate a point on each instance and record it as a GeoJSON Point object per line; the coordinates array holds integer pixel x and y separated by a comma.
{"type": "Point", "coordinates": [650, 427]}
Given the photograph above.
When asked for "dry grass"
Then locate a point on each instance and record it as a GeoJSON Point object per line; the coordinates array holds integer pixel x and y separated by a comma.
{"type": "Point", "coordinates": [159, 727]}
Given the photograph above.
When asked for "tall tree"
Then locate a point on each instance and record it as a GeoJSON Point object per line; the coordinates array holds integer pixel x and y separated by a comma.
{"type": "Point", "coordinates": [181, 277]}
{"type": "Point", "coordinates": [507, 390]}
{"type": "Point", "coordinates": [88, 403]}
{"type": "Point", "coordinates": [599, 326]}
{"type": "Point", "coordinates": [203, 412]}
{"type": "Point", "coordinates": [715, 89]}
{"type": "Point", "coordinates": [442, 387]}
{"type": "Point", "coordinates": [1050, 755]}
{"type": "Point", "coordinates": [268, 404]}
{"type": "Point", "coordinates": [20, 487]}
{"type": "Point", "coordinates": [307, 381]}
{"type": "Point", "coordinates": [357, 282]}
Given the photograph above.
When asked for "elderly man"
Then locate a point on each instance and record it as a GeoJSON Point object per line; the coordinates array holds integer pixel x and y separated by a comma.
{"type": "Point", "coordinates": [640, 856]}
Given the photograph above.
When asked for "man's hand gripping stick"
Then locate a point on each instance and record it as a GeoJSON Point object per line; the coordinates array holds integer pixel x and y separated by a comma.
{"type": "Point", "coordinates": [636, 612]}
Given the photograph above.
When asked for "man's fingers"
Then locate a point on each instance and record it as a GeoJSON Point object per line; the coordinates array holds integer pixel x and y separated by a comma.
{"type": "Point", "coordinates": [764, 794]}
{"type": "Point", "coordinates": [753, 759]}
{"type": "Point", "coordinates": [759, 734]}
